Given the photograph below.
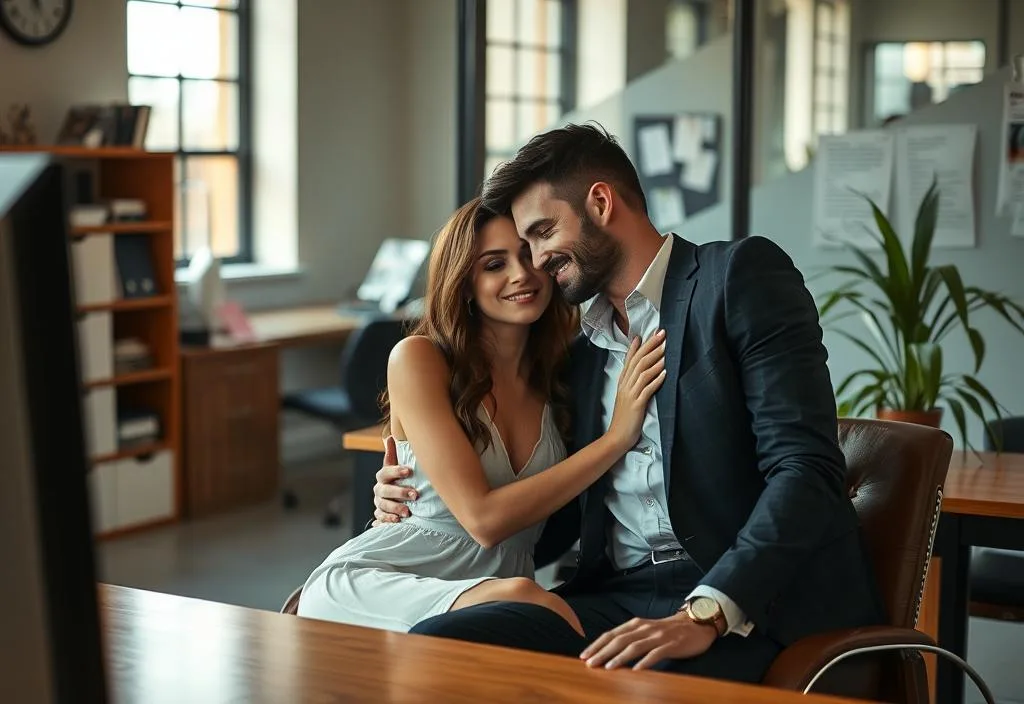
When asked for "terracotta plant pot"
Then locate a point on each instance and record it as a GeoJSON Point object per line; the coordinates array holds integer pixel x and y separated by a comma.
{"type": "Point", "coordinates": [932, 418]}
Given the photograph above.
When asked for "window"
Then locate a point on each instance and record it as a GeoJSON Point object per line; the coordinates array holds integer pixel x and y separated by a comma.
{"type": "Point", "coordinates": [189, 61]}
{"type": "Point", "coordinates": [908, 75]}
{"type": "Point", "coordinates": [530, 74]}
{"type": "Point", "coordinates": [831, 78]}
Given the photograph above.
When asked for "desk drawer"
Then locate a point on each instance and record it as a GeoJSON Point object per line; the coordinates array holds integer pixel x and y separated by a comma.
{"type": "Point", "coordinates": [230, 409]}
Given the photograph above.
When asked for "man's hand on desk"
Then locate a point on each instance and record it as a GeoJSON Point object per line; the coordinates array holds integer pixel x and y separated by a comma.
{"type": "Point", "coordinates": [388, 497]}
{"type": "Point", "coordinates": [650, 641]}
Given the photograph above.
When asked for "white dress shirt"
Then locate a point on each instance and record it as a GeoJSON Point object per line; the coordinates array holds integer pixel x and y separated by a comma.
{"type": "Point", "coordinates": [638, 500]}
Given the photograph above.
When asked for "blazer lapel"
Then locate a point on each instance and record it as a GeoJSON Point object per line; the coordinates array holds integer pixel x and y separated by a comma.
{"type": "Point", "coordinates": [676, 295]}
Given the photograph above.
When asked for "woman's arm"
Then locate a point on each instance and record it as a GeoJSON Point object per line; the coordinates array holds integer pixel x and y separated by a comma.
{"type": "Point", "coordinates": [418, 388]}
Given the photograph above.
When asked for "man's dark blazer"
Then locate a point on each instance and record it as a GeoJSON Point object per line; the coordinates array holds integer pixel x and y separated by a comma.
{"type": "Point", "coordinates": [753, 470]}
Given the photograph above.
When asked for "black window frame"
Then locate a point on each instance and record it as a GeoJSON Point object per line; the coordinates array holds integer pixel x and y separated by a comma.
{"type": "Point", "coordinates": [243, 153]}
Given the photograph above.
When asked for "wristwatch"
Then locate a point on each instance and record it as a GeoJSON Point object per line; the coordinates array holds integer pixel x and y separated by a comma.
{"type": "Point", "coordinates": [706, 611]}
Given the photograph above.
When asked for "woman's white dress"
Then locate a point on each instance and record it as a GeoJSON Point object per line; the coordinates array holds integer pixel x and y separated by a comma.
{"type": "Point", "coordinates": [395, 575]}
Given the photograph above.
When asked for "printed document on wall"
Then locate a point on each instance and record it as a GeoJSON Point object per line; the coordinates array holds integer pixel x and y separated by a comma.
{"type": "Point", "coordinates": [1011, 175]}
{"type": "Point", "coordinates": [848, 168]}
{"type": "Point", "coordinates": [945, 154]}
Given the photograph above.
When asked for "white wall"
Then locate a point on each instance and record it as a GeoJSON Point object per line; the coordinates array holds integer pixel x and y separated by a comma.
{"type": "Point", "coordinates": [88, 63]}
{"type": "Point", "coordinates": [781, 210]}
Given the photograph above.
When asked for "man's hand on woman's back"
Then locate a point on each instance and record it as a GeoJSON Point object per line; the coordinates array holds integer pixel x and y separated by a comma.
{"type": "Point", "coordinates": [388, 497]}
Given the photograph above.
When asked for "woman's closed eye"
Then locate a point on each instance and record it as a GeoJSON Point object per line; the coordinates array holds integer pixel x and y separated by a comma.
{"type": "Point", "coordinates": [494, 265]}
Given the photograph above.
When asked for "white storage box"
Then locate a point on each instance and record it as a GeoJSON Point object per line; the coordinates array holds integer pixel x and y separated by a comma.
{"type": "Point", "coordinates": [95, 344]}
{"type": "Point", "coordinates": [103, 497]}
{"type": "Point", "coordinates": [100, 410]}
{"type": "Point", "coordinates": [145, 488]}
{"type": "Point", "coordinates": [92, 261]}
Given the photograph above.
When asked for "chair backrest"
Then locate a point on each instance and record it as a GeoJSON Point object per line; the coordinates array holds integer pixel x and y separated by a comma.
{"type": "Point", "coordinates": [364, 365]}
{"type": "Point", "coordinates": [895, 473]}
{"type": "Point", "coordinates": [1010, 431]}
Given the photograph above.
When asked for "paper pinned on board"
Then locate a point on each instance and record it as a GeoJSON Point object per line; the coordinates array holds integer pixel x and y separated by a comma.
{"type": "Point", "coordinates": [655, 150]}
{"type": "Point", "coordinates": [698, 174]}
{"type": "Point", "coordinates": [847, 168]}
{"type": "Point", "coordinates": [689, 138]}
{"type": "Point", "coordinates": [666, 204]}
{"type": "Point", "coordinates": [944, 153]}
{"type": "Point", "coordinates": [1011, 174]}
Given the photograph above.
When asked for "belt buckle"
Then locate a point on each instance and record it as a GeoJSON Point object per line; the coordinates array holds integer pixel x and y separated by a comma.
{"type": "Point", "coordinates": [678, 554]}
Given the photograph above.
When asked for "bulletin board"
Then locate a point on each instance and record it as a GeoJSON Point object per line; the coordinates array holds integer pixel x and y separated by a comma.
{"type": "Point", "coordinates": [679, 160]}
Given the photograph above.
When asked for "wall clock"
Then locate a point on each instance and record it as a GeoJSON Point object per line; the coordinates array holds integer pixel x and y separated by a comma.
{"type": "Point", "coordinates": [34, 22]}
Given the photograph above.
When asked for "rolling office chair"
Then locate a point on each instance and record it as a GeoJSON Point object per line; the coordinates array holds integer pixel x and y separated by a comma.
{"type": "Point", "coordinates": [997, 576]}
{"type": "Point", "coordinates": [354, 403]}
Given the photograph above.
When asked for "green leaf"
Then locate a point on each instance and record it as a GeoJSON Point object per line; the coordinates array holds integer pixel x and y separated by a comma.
{"type": "Point", "coordinates": [864, 346]}
{"type": "Point", "coordinates": [951, 276]}
{"type": "Point", "coordinates": [978, 345]}
{"type": "Point", "coordinates": [850, 378]}
{"type": "Point", "coordinates": [960, 418]}
{"type": "Point", "coordinates": [924, 230]}
{"type": "Point", "coordinates": [986, 395]}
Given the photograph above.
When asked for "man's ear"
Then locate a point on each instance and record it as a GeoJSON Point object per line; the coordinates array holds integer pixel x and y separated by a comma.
{"type": "Point", "coordinates": [600, 204]}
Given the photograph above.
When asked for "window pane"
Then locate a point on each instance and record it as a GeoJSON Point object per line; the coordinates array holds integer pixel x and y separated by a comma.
{"type": "Point", "coordinates": [500, 70]}
{"type": "Point", "coordinates": [553, 24]}
{"type": "Point", "coordinates": [210, 114]}
{"type": "Point", "coordinates": [501, 20]}
{"type": "Point", "coordinates": [162, 95]}
{"type": "Point", "coordinates": [500, 133]}
{"type": "Point", "coordinates": [535, 117]}
{"type": "Point", "coordinates": [210, 195]}
{"type": "Point", "coordinates": [824, 19]}
{"type": "Point", "coordinates": [889, 60]}
{"type": "Point", "coordinates": [180, 251]}
{"type": "Point", "coordinates": [531, 21]}
{"type": "Point", "coordinates": [681, 30]}
{"type": "Point", "coordinates": [211, 38]}
{"type": "Point", "coordinates": [823, 58]}
{"type": "Point", "coordinates": [823, 89]}
{"type": "Point", "coordinates": [535, 74]}
{"type": "Point", "coordinates": [492, 162]}
{"type": "Point", "coordinates": [231, 4]}
{"type": "Point", "coordinates": [153, 39]}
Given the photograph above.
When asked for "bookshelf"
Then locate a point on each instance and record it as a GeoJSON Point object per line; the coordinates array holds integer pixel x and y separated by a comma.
{"type": "Point", "coordinates": [135, 486]}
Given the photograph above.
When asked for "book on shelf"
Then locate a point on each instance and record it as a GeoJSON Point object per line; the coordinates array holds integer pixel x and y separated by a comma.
{"type": "Point", "coordinates": [95, 125]}
{"type": "Point", "coordinates": [137, 427]}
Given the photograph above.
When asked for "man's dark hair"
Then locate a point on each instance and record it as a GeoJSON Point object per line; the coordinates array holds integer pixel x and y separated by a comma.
{"type": "Point", "coordinates": [571, 159]}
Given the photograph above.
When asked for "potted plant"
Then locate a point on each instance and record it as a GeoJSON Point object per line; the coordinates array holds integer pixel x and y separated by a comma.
{"type": "Point", "coordinates": [908, 308]}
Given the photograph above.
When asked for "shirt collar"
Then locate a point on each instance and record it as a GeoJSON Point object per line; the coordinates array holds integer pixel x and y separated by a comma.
{"type": "Point", "coordinates": [597, 313]}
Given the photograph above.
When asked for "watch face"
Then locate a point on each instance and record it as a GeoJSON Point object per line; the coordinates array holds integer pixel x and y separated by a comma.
{"type": "Point", "coordinates": [704, 609]}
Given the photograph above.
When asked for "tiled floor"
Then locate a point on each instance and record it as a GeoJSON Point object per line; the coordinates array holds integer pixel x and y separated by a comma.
{"type": "Point", "coordinates": [255, 557]}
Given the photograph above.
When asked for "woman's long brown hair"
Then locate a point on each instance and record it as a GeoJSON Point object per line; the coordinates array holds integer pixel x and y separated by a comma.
{"type": "Point", "coordinates": [448, 323]}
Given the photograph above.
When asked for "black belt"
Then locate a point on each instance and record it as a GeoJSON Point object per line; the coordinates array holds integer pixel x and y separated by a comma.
{"type": "Point", "coordinates": [657, 557]}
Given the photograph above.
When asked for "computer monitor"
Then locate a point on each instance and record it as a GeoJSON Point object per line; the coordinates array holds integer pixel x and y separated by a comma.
{"type": "Point", "coordinates": [393, 272]}
{"type": "Point", "coordinates": [50, 638]}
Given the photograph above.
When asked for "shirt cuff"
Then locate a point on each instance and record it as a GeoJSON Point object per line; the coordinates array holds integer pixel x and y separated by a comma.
{"type": "Point", "coordinates": [735, 619]}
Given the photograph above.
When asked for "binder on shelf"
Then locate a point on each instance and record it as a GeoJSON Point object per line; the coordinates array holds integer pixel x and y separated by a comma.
{"type": "Point", "coordinates": [135, 269]}
{"type": "Point", "coordinates": [95, 346]}
{"type": "Point", "coordinates": [92, 260]}
{"type": "Point", "coordinates": [100, 421]}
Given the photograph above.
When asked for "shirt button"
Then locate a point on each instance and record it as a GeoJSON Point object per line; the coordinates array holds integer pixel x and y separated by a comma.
{"type": "Point", "coordinates": [649, 501]}
{"type": "Point", "coordinates": [648, 450]}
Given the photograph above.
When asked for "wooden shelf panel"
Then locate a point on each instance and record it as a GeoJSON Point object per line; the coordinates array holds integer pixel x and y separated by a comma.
{"type": "Point", "coordinates": [129, 304]}
{"type": "Point", "coordinates": [134, 378]}
{"type": "Point", "coordinates": [147, 449]}
{"type": "Point", "coordinates": [77, 152]}
{"type": "Point", "coordinates": [123, 228]}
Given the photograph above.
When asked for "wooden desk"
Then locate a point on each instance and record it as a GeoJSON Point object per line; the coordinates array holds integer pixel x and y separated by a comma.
{"type": "Point", "coordinates": [163, 648]}
{"type": "Point", "coordinates": [982, 506]}
{"type": "Point", "coordinates": [231, 406]}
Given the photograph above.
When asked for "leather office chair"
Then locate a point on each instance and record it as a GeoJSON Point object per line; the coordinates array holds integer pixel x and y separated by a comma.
{"type": "Point", "coordinates": [895, 473]}
{"type": "Point", "coordinates": [291, 604]}
{"type": "Point", "coordinates": [997, 576]}
{"type": "Point", "coordinates": [354, 402]}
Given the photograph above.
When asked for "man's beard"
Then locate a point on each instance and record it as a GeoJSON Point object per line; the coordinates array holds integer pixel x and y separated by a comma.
{"type": "Point", "coordinates": [597, 257]}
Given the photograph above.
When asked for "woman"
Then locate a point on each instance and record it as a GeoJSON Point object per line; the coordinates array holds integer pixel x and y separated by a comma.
{"type": "Point", "coordinates": [473, 402]}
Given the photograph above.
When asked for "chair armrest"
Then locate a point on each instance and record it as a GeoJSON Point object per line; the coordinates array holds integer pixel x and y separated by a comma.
{"type": "Point", "coordinates": [797, 665]}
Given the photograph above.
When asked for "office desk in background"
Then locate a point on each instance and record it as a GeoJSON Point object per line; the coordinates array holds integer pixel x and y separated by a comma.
{"type": "Point", "coordinates": [231, 403]}
{"type": "Point", "coordinates": [163, 648]}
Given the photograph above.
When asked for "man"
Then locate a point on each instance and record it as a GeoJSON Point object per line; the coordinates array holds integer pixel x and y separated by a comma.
{"type": "Point", "coordinates": [726, 533]}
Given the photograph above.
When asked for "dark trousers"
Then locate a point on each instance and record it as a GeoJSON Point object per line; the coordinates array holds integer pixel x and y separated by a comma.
{"type": "Point", "coordinates": [656, 591]}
